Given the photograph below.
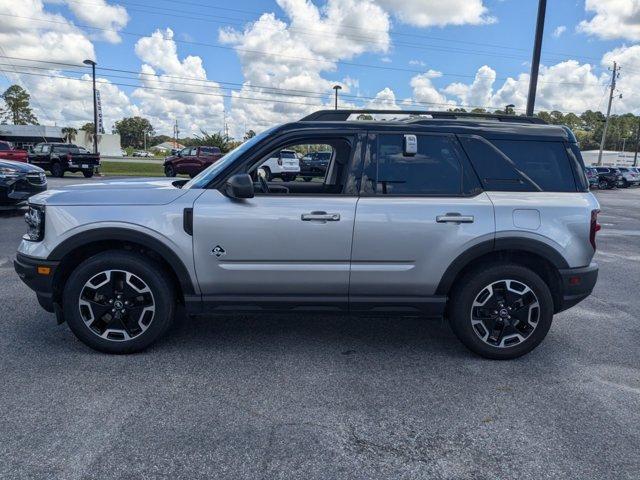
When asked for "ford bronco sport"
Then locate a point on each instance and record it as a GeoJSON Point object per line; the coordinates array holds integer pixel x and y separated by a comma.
{"type": "Point", "coordinates": [486, 220]}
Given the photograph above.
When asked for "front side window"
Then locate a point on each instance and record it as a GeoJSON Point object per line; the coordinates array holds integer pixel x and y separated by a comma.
{"type": "Point", "coordinates": [46, 148]}
{"type": "Point", "coordinates": [434, 170]}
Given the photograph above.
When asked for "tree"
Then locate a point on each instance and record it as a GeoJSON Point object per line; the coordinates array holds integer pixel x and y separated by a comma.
{"type": "Point", "coordinates": [132, 131]}
{"type": "Point", "coordinates": [17, 109]}
{"type": "Point", "coordinates": [220, 140]}
{"type": "Point", "coordinates": [69, 134]}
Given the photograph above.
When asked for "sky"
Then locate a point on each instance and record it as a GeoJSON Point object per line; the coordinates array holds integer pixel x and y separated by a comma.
{"type": "Point", "coordinates": [251, 64]}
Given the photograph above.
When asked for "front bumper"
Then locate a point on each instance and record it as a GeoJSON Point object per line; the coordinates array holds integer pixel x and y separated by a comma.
{"type": "Point", "coordinates": [28, 269]}
{"type": "Point", "coordinates": [577, 284]}
{"type": "Point", "coordinates": [18, 190]}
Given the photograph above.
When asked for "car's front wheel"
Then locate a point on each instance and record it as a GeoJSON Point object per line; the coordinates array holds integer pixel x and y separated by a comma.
{"type": "Point", "coordinates": [87, 173]}
{"type": "Point", "coordinates": [501, 312]}
{"type": "Point", "coordinates": [169, 171]}
{"type": "Point", "coordinates": [57, 170]}
{"type": "Point", "coordinates": [118, 302]}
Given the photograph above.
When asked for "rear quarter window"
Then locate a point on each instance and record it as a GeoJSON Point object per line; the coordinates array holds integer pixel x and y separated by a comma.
{"type": "Point", "coordinates": [546, 163]}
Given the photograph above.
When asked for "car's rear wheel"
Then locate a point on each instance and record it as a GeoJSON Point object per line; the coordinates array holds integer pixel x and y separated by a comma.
{"type": "Point", "coordinates": [307, 179]}
{"type": "Point", "coordinates": [169, 171]}
{"type": "Point", "coordinates": [87, 173]}
{"type": "Point", "coordinates": [118, 302]}
{"type": "Point", "coordinates": [57, 170]}
{"type": "Point", "coordinates": [603, 185]}
{"type": "Point", "coordinates": [501, 312]}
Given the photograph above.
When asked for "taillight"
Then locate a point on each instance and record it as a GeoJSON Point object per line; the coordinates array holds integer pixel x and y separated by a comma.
{"type": "Point", "coordinates": [595, 227]}
{"type": "Point", "coordinates": [68, 157]}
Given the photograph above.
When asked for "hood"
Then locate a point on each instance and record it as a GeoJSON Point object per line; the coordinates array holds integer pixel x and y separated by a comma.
{"type": "Point", "coordinates": [138, 191]}
{"type": "Point", "coordinates": [20, 166]}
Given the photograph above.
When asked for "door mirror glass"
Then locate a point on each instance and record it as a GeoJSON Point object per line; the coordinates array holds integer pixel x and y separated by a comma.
{"type": "Point", "coordinates": [239, 186]}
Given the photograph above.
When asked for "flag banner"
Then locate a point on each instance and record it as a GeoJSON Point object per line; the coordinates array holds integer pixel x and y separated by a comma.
{"type": "Point", "coordinates": [99, 110]}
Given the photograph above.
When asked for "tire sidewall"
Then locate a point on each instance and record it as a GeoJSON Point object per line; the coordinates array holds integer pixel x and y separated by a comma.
{"type": "Point", "coordinates": [471, 285]}
{"type": "Point", "coordinates": [140, 266]}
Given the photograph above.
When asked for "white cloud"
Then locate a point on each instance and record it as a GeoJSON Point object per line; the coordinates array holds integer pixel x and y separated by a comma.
{"type": "Point", "coordinates": [28, 31]}
{"type": "Point", "coordinates": [193, 101]}
{"type": "Point", "coordinates": [297, 57]}
{"type": "Point", "coordinates": [102, 15]}
{"type": "Point", "coordinates": [424, 92]}
{"type": "Point", "coordinates": [612, 19]}
{"type": "Point", "coordinates": [559, 30]}
{"type": "Point", "coordinates": [479, 92]}
{"type": "Point", "coordinates": [429, 13]}
{"type": "Point", "coordinates": [417, 63]}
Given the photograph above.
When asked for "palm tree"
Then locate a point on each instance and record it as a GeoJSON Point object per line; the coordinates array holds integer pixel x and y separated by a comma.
{"type": "Point", "coordinates": [69, 134]}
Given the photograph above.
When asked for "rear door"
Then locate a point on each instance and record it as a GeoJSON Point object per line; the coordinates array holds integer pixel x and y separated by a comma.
{"type": "Point", "coordinates": [416, 214]}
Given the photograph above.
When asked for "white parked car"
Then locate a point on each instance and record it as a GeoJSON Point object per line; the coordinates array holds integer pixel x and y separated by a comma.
{"type": "Point", "coordinates": [141, 153]}
{"type": "Point", "coordinates": [630, 175]}
{"type": "Point", "coordinates": [284, 165]}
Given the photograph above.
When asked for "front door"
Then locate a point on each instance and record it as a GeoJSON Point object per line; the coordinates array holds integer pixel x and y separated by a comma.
{"type": "Point", "coordinates": [416, 215]}
{"type": "Point", "coordinates": [290, 244]}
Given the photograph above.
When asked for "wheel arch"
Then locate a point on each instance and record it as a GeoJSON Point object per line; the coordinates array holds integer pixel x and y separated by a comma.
{"type": "Point", "coordinates": [77, 248]}
{"type": "Point", "coordinates": [534, 254]}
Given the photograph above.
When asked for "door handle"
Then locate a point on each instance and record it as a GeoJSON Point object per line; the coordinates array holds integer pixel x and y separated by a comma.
{"type": "Point", "coordinates": [454, 218]}
{"type": "Point", "coordinates": [320, 217]}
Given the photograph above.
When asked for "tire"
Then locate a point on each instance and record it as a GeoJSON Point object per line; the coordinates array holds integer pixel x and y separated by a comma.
{"type": "Point", "coordinates": [169, 171]}
{"type": "Point", "coordinates": [268, 176]}
{"type": "Point", "coordinates": [602, 185]}
{"type": "Point", "coordinates": [307, 179]}
{"type": "Point", "coordinates": [87, 173]}
{"type": "Point", "coordinates": [57, 170]}
{"type": "Point", "coordinates": [89, 292]}
{"type": "Point", "coordinates": [466, 307]}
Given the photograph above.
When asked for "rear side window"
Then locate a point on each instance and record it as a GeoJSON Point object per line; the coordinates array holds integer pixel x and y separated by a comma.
{"type": "Point", "coordinates": [288, 155]}
{"type": "Point", "coordinates": [495, 172]}
{"type": "Point", "coordinates": [434, 170]}
{"type": "Point", "coordinates": [210, 150]}
{"type": "Point", "coordinates": [546, 163]}
{"type": "Point", "coordinates": [4, 146]}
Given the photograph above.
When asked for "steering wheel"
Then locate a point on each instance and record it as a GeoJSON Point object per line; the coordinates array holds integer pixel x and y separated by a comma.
{"type": "Point", "coordinates": [264, 186]}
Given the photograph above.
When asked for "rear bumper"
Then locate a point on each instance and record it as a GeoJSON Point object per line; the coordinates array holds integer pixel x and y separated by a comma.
{"type": "Point", "coordinates": [27, 269]}
{"type": "Point", "coordinates": [577, 284]}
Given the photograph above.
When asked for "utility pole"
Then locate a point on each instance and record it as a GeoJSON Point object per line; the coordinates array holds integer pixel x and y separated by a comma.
{"type": "Point", "coordinates": [535, 61]}
{"type": "Point", "coordinates": [614, 76]}
{"type": "Point", "coordinates": [95, 105]}
{"type": "Point", "coordinates": [176, 132]}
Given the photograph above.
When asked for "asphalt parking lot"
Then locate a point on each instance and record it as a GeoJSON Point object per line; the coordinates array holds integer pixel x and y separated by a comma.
{"type": "Point", "coordinates": [319, 397]}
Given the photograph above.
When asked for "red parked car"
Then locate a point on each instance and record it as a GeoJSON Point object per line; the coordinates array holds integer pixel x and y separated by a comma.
{"type": "Point", "coordinates": [7, 152]}
{"type": "Point", "coordinates": [191, 160]}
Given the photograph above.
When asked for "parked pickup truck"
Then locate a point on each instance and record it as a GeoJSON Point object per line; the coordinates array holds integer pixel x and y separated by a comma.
{"type": "Point", "coordinates": [191, 160]}
{"type": "Point", "coordinates": [7, 152]}
{"type": "Point", "coordinates": [59, 158]}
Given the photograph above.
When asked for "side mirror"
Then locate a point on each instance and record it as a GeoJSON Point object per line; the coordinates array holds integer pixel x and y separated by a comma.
{"type": "Point", "coordinates": [239, 185]}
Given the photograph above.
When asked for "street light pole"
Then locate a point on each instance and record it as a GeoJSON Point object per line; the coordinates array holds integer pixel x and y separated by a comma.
{"type": "Point", "coordinates": [95, 105]}
{"type": "Point", "coordinates": [535, 61]}
{"type": "Point", "coordinates": [336, 88]}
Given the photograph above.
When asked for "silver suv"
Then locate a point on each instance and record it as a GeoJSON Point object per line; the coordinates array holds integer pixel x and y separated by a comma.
{"type": "Point", "coordinates": [484, 219]}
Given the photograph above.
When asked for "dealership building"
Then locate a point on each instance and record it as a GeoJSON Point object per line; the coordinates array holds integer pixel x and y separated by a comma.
{"type": "Point", "coordinates": [25, 136]}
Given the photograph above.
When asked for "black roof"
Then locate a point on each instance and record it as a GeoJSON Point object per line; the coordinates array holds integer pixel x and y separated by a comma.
{"type": "Point", "coordinates": [491, 126]}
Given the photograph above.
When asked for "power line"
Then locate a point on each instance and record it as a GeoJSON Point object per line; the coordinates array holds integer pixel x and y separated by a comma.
{"type": "Point", "coordinates": [266, 100]}
{"type": "Point", "coordinates": [261, 52]}
{"type": "Point", "coordinates": [258, 86]}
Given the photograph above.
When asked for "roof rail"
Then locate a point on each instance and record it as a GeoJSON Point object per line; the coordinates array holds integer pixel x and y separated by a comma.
{"type": "Point", "coordinates": [343, 115]}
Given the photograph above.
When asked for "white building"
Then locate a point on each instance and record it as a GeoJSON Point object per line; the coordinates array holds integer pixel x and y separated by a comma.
{"type": "Point", "coordinates": [609, 158]}
{"type": "Point", "coordinates": [25, 136]}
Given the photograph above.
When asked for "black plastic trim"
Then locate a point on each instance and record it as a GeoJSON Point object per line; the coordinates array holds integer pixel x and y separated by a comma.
{"type": "Point", "coordinates": [123, 234]}
{"type": "Point", "coordinates": [27, 269]}
{"type": "Point", "coordinates": [573, 294]}
{"type": "Point", "coordinates": [497, 245]}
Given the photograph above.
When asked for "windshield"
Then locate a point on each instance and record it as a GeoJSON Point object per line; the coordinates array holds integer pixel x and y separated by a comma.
{"type": "Point", "coordinates": [204, 178]}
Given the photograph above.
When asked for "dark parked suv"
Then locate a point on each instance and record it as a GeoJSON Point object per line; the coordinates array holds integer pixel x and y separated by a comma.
{"type": "Point", "coordinates": [314, 164]}
{"type": "Point", "coordinates": [609, 177]}
{"type": "Point", "coordinates": [191, 160]}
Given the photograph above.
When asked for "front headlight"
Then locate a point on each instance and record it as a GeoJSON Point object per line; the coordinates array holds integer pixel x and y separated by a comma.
{"type": "Point", "coordinates": [8, 172]}
{"type": "Point", "coordinates": [35, 222]}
